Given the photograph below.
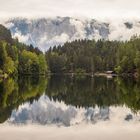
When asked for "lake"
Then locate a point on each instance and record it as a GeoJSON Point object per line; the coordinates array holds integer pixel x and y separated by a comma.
{"type": "Point", "coordinates": [65, 107]}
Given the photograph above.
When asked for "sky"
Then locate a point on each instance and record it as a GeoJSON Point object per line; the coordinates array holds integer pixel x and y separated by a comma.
{"type": "Point", "coordinates": [77, 8]}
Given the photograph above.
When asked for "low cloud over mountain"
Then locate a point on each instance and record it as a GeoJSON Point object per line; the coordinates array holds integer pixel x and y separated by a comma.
{"type": "Point", "coordinates": [46, 32]}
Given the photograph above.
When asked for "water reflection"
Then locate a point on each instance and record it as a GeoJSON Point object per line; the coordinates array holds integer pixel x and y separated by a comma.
{"type": "Point", "coordinates": [43, 112]}
{"type": "Point", "coordinates": [14, 92]}
{"type": "Point", "coordinates": [63, 100]}
{"type": "Point", "coordinates": [46, 111]}
{"type": "Point", "coordinates": [98, 91]}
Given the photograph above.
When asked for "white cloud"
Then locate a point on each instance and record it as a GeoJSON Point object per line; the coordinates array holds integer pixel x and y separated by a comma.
{"type": "Point", "coordinates": [45, 43]}
{"type": "Point", "coordinates": [8, 25]}
{"type": "Point", "coordinates": [80, 29]}
{"type": "Point", "coordinates": [118, 30]}
{"type": "Point", "coordinates": [96, 35]}
{"type": "Point", "coordinates": [43, 39]}
{"type": "Point", "coordinates": [21, 38]}
{"type": "Point", "coordinates": [62, 38]}
{"type": "Point", "coordinates": [86, 8]}
{"type": "Point", "coordinates": [48, 34]}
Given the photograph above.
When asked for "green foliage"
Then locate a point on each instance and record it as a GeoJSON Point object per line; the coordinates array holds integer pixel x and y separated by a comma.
{"type": "Point", "coordinates": [19, 58]}
{"type": "Point", "coordinates": [3, 54]}
{"type": "Point", "coordinates": [9, 66]}
{"type": "Point", "coordinates": [28, 63]}
{"type": "Point", "coordinates": [31, 63]}
{"type": "Point", "coordinates": [80, 71]}
{"type": "Point", "coordinates": [87, 55]}
{"type": "Point", "coordinates": [118, 69]}
{"type": "Point", "coordinates": [96, 56]}
{"type": "Point", "coordinates": [5, 34]}
{"type": "Point", "coordinates": [57, 63]}
{"type": "Point", "coordinates": [42, 64]}
{"type": "Point", "coordinates": [137, 62]}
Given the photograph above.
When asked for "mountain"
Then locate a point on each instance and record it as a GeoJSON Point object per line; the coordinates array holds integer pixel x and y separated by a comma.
{"type": "Point", "coordinates": [46, 32]}
{"type": "Point", "coordinates": [5, 34]}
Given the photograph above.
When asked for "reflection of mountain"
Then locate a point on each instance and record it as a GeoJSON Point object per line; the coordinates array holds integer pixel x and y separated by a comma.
{"type": "Point", "coordinates": [45, 111]}
{"type": "Point", "coordinates": [102, 114]}
{"type": "Point", "coordinates": [53, 31]}
{"type": "Point", "coordinates": [13, 93]}
{"type": "Point", "coordinates": [49, 112]}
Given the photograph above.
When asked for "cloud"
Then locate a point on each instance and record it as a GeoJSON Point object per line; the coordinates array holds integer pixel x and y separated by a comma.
{"type": "Point", "coordinates": [43, 33]}
{"type": "Point", "coordinates": [96, 35]}
{"type": "Point", "coordinates": [45, 43]}
{"type": "Point", "coordinates": [22, 38]}
{"type": "Point", "coordinates": [119, 31]}
{"type": "Point", "coordinates": [80, 29]}
{"type": "Point", "coordinates": [62, 38]}
{"type": "Point", "coordinates": [90, 8]}
{"type": "Point", "coordinates": [8, 25]}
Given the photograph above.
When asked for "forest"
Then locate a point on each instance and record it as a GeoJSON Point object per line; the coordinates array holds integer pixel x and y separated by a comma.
{"type": "Point", "coordinates": [90, 56]}
{"type": "Point", "coordinates": [18, 58]}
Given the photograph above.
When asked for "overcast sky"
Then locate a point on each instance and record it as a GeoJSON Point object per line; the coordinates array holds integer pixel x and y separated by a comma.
{"type": "Point", "coordinates": [74, 8]}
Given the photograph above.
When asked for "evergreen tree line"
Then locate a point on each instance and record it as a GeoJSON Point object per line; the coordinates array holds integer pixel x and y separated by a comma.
{"type": "Point", "coordinates": [90, 56]}
{"type": "Point", "coordinates": [18, 58]}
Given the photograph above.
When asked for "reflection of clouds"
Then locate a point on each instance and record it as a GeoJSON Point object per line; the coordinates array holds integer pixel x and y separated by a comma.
{"type": "Point", "coordinates": [44, 111]}
{"type": "Point", "coordinates": [94, 115]}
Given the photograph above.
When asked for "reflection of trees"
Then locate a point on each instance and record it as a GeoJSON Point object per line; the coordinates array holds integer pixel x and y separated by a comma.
{"type": "Point", "coordinates": [129, 91]}
{"type": "Point", "coordinates": [81, 92]}
{"type": "Point", "coordinates": [95, 91]}
{"type": "Point", "coordinates": [15, 92]}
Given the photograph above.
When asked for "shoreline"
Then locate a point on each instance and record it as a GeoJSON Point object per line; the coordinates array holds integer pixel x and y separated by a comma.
{"type": "Point", "coordinates": [97, 74]}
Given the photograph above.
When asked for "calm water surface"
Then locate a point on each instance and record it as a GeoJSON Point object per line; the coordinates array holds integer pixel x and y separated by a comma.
{"type": "Point", "coordinates": [66, 101]}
